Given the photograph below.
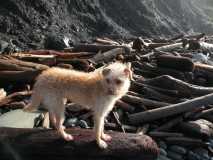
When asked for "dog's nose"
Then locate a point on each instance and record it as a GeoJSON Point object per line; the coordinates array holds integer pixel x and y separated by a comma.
{"type": "Point", "coordinates": [111, 91]}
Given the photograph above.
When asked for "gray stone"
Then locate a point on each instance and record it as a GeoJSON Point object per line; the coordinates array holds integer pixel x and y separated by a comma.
{"type": "Point", "coordinates": [71, 122]}
{"type": "Point", "coordinates": [18, 119]}
{"type": "Point", "coordinates": [178, 149]}
{"type": "Point", "coordinates": [163, 152]}
{"type": "Point", "coordinates": [202, 152]}
{"type": "Point", "coordinates": [193, 156]}
{"type": "Point", "coordinates": [83, 124]}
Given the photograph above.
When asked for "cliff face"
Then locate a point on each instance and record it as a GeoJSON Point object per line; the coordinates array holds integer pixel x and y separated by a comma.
{"type": "Point", "coordinates": [30, 21]}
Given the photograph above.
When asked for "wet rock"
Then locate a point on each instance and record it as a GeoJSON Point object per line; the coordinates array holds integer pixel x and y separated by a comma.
{"type": "Point", "coordinates": [163, 152]}
{"type": "Point", "coordinates": [174, 156]}
{"type": "Point", "coordinates": [200, 57]}
{"type": "Point", "coordinates": [3, 45]}
{"type": "Point", "coordinates": [193, 156]}
{"type": "Point", "coordinates": [71, 122]}
{"type": "Point", "coordinates": [54, 42]}
{"type": "Point", "coordinates": [18, 119]}
{"type": "Point", "coordinates": [178, 149]}
{"type": "Point", "coordinates": [202, 152]}
{"type": "Point", "coordinates": [162, 144]}
{"type": "Point", "coordinates": [83, 124]}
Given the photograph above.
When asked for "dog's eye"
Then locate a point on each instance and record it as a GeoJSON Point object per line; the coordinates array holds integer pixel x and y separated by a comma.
{"type": "Point", "coordinates": [108, 80]}
{"type": "Point", "coordinates": [118, 81]}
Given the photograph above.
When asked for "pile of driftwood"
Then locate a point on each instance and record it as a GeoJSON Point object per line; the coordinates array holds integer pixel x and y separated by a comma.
{"type": "Point", "coordinates": [170, 98]}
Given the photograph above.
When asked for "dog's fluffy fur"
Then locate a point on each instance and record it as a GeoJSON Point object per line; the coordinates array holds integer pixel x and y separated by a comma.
{"type": "Point", "coordinates": [96, 90]}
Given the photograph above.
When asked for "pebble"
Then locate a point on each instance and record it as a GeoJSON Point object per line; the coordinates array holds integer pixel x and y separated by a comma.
{"type": "Point", "coordinates": [178, 149]}
{"type": "Point", "coordinates": [174, 156]}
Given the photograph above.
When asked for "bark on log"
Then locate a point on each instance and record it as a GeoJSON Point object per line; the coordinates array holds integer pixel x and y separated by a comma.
{"type": "Point", "coordinates": [174, 62]}
{"type": "Point", "coordinates": [143, 101]}
{"type": "Point", "coordinates": [37, 144]}
{"type": "Point", "coordinates": [164, 112]}
{"type": "Point", "coordinates": [185, 141]}
{"type": "Point", "coordinates": [169, 124]}
{"type": "Point", "coordinates": [158, 134]}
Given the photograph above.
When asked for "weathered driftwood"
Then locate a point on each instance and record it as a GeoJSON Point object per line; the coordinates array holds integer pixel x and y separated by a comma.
{"type": "Point", "coordinates": [42, 143]}
{"type": "Point", "coordinates": [204, 113]}
{"type": "Point", "coordinates": [154, 71]}
{"type": "Point", "coordinates": [57, 54]}
{"type": "Point", "coordinates": [174, 62]}
{"type": "Point", "coordinates": [125, 106]}
{"type": "Point", "coordinates": [8, 60]}
{"type": "Point", "coordinates": [186, 141]}
{"type": "Point", "coordinates": [143, 101]}
{"type": "Point", "coordinates": [170, 110]}
{"type": "Point", "coordinates": [96, 48]}
{"type": "Point", "coordinates": [78, 64]}
{"type": "Point", "coordinates": [17, 96]}
{"type": "Point", "coordinates": [49, 60]}
{"type": "Point", "coordinates": [106, 41]}
{"type": "Point", "coordinates": [200, 128]}
{"type": "Point", "coordinates": [158, 134]}
{"type": "Point", "coordinates": [115, 127]}
{"type": "Point", "coordinates": [139, 83]}
{"type": "Point", "coordinates": [107, 56]}
{"type": "Point", "coordinates": [169, 47]}
{"type": "Point", "coordinates": [168, 125]}
{"type": "Point", "coordinates": [15, 105]}
{"type": "Point", "coordinates": [205, 71]}
{"type": "Point", "coordinates": [184, 89]}
{"type": "Point", "coordinates": [152, 92]}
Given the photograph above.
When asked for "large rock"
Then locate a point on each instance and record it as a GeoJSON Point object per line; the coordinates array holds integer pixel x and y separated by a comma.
{"type": "Point", "coordinates": [18, 119]}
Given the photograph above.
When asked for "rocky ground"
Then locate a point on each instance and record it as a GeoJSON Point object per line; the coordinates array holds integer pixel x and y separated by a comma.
{"type": "Point", "coordinates": [31, 24]}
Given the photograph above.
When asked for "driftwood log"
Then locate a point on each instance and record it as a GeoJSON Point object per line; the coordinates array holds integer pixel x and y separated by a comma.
{"type": "Point", "coordinates": [183, 88]}
{"type": "Point", "coordinates": [170, 110]}
{"type": "Point", "coordinates": [97, 48]}
{"type": "Point", "coordinates": [42, 143]}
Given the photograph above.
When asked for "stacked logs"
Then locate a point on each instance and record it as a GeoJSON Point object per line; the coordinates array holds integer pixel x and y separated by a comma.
{"type": "Point", "coordinates": [170, 98]}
